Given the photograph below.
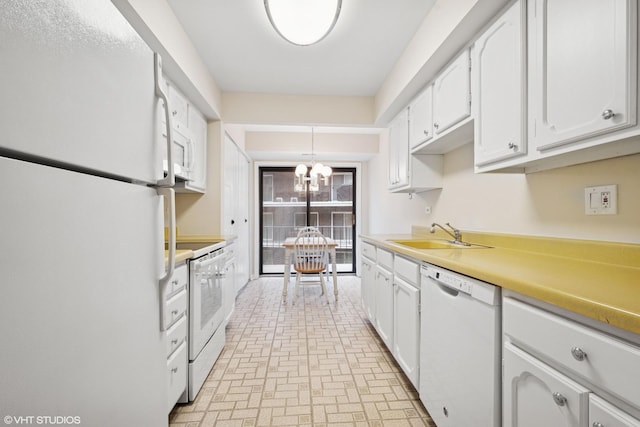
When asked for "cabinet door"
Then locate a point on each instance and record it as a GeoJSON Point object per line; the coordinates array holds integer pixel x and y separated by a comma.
{"type": "Point", "coordinates": [198, 128]}
{"type": "Point", "coordinates": [399, 151]}
{"type": "Point", "coordinates": [604, 414]}
{"type": "Point", "coordinates": [384, 306]}
{"type": "Point", "coordinates": [582, 69]}
{"type": "Point", "coordinates": [179, 107]}
{"type": "Point", "coordinates": [367, 289]}
{"type": "Point", "coordinates": [406, 328]}
{"type": "Point", "coordinates": [538, 395]}
{"type": "Point", "coordinates": [452, 94]}
{"type": "Point", "coordinates": [421, 118]}
{"type": "Point", "coordinates": [499, 113]}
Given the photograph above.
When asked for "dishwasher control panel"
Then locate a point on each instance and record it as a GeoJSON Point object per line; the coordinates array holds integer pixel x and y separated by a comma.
{"type": "Point", "coordinates": [454, 281]}
{"type": "Point", "coordinates": [477, 289]}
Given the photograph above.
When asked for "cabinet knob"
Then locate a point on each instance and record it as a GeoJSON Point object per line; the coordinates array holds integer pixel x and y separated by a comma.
{"type": "Point", "coordinates": [608, 114]}
{"type": "Point", "coordinates": [597, 424]}
{"type": "Point", "coordinates": [513, 146]}
{"type": "Point", "coordinates": [174, 112]}
{"type": "Point", "coordinates": [174, 370]}
{"type": "Point", "coordinates": [578, 354]}
{"type": "Point", "coordinates": [436, 125]}
{"type": "Point", "coordinates": [559, 399]}
{"type": "Point", "coordinates": [426, 132]}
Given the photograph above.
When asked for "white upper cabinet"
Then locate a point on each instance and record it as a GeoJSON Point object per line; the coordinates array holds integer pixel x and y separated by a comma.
{"type": "Point", "coordinates": [499, 88]}
{"type": "Point", "coordinates": [452, 94]}
{"type": "Point", "coordinates": [198, 127]}
{"type": "Point", "coordinates": [399, 151]}
{"type": "Point", "coordinates": [410, 173]}
{"type": "Point", "coordinates": [582, 69]}
{"type": "Point", "coordinates": [421, 118]}
{"type": "Point", "coordinates": [179, 108]}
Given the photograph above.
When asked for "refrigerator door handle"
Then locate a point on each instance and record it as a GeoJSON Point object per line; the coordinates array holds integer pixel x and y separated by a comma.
{"type": "Point", "coordinates": [170, 195]}
{"type": "Point", "coordinates": [170, 179]}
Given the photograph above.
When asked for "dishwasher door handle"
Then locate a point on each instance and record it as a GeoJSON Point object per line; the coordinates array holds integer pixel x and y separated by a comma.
{"type": "Point", "coordinates": [444, 288]}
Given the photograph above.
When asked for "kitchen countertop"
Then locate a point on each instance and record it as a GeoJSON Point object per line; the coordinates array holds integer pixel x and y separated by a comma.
{"type": "Point", "coordinates": [183, 255]}
{"type": "Point", "coordinates": [600, 280]}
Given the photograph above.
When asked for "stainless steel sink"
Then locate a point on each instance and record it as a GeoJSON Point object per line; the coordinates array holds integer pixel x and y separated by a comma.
{"type": "Point", "coordinates": [435, 244]}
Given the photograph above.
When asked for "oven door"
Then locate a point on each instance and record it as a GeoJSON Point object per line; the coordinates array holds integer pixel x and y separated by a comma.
{"type": "Point", "coordinates": [182, 150]}
{"type": "Point", "coordinates": [205, 301]}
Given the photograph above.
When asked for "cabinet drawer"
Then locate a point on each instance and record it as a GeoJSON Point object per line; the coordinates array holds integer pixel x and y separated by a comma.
{"type": "Point", "coordinates": [408, 270]}
{"type": "Point", "coordinates": [176, 306]}
{"type": "Point", "coordinates": [176, 334]}
{"type": "Point", "coordinates": [385, 258]}
{"type": "Point", "coordinates": [178, 281]}
{"type": "Point", "coordinates": [177, 375]}
{"type": "Point", "coordinates": [369, 251]}
{"type": "Point", "coordinates": [605, 361]}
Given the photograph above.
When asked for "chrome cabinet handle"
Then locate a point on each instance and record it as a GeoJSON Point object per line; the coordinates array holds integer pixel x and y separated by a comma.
{"type": "Point", "coordinates": [559, 399]}
{"type": "Point", "coordinates": [174, 341]}
{"type": "Point", "coordinates": [436, 125]}
{"type": "Point", "coordinates": [513, 146]}
{"type": "Point", "coordinates": [597, 424]}
{"type": "Point", "coordinates": [578, 354]}
{"type": "Point", "coordinates": [426, 132]}
{"type": "Point", "coordinates": [174, 370]}
{"type": "Point", "coordinates": [608, 114]}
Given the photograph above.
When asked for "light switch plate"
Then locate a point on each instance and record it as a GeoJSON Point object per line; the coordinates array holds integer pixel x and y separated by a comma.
{"type": "Point", "coordinates": [601, 200]}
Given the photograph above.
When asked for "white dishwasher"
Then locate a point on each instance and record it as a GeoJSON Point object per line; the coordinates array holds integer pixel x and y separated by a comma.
{"type": "Point", "coordinates": [460, 349]}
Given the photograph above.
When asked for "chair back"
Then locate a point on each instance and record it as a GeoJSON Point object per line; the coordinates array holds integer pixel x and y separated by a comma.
{"type": "Point", "coordinates": [307, 229]}
{"type": "Point", "coordinates": [310, 252]}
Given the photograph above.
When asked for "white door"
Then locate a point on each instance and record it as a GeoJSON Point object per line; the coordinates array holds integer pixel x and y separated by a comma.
{"type": "Point", "coordinates": [384, 306]}
{"type": "Point", "coordinates": [582, 69]}
{"type": "Point", "coordinates": [499, 90]}
{"type": "Point", "coordinates": [537, 395]}
{"type": "Point", "coordinates": [80, 318]}
{"type": "Point", "coordinates": [452, 94]}
{"type": "Point", "coordinates": [79, 89]}
{"type": "Point", "coordinates": [243, 247]}
{"type": "Point", "coordinates": [406, 328]}
{"type": "Point", "coordinates": [421, 118]}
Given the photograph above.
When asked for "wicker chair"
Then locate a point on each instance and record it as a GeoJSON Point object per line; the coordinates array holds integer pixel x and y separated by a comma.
{"type": "Point", "coordinates": [310, 257]}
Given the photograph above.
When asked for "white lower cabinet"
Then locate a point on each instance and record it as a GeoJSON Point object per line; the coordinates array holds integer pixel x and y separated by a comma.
{"type": "Point", "coordinates": [604, 414]}
{"type": "Point", "coordinates": [384, 305]}
{"type": "Point", "coordinates": [406, 319]}
{"type": "Point", "coordinates": [561, 372]}
{"type": "Point", "coordinates": [538, 395]}
{"type": "Point", "coordinates": [175, 318]}
{"type": "Point", "coordinates": [367, 281]}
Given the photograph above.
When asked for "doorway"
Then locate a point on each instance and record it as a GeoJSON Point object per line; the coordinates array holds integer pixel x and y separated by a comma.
{"type": "Point", "coordinates": [283, 211]}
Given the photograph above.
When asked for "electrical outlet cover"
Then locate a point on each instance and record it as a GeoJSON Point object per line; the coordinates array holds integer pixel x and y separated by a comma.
{"type": "Point", "coordinates": [601, 200]}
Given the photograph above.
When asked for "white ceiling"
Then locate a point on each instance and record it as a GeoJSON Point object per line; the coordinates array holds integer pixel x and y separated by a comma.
{"type": "Point", "coordinates": [244, 54]}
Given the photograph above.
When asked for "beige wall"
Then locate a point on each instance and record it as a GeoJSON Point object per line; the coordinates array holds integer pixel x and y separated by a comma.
{"type": "Point", "coordinates": [549, 203]}
{"type": "Point", "coordinates": [202, 213]}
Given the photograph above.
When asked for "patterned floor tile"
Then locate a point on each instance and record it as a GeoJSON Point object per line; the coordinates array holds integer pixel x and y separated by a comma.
{"type": "Point", "coordinates": [308, 364]}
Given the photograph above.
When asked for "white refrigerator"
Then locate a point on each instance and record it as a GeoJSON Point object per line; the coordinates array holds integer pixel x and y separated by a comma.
{"type": "Point", "coordinates": [81, 218]}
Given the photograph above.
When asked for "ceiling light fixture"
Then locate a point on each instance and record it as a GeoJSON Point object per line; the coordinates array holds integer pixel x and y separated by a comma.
{"type": "Point", "coordinates": [317, 171]}
{"type": "Point", "coordinates": [303, 22]}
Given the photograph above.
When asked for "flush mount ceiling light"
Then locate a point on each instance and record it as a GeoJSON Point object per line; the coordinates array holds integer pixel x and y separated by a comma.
{"type": "Point", "coordinates": [303, 22]}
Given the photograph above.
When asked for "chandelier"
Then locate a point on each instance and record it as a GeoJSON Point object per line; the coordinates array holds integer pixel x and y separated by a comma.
{"type": "Point", "coordinates": [303, 22]}
{"type": "Point", "coordinates": [318, 171]}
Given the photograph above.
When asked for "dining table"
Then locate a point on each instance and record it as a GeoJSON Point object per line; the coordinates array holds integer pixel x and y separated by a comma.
{"type": "Point", "coordinates": [289, 245]}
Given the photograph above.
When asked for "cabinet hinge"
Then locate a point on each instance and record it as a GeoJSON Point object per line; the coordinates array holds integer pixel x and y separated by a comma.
{"type": "Point", "coordinates": [469, 63]}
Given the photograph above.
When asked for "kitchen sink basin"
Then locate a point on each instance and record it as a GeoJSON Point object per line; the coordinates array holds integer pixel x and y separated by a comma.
{"type": "Point", "coordinates": [435, 244]}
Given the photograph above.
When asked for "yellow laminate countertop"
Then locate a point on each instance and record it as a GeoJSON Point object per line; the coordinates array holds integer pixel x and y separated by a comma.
{"type": "Point", "coordinates": [600, 280]}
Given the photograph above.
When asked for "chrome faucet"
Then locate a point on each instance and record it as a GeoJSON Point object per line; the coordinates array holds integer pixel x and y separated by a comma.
{"type": "Point", "coordinates": [457, 236]}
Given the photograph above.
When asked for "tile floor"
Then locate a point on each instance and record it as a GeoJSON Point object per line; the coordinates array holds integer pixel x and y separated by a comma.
{"type": "Point", "coordinates": [306, 364]}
